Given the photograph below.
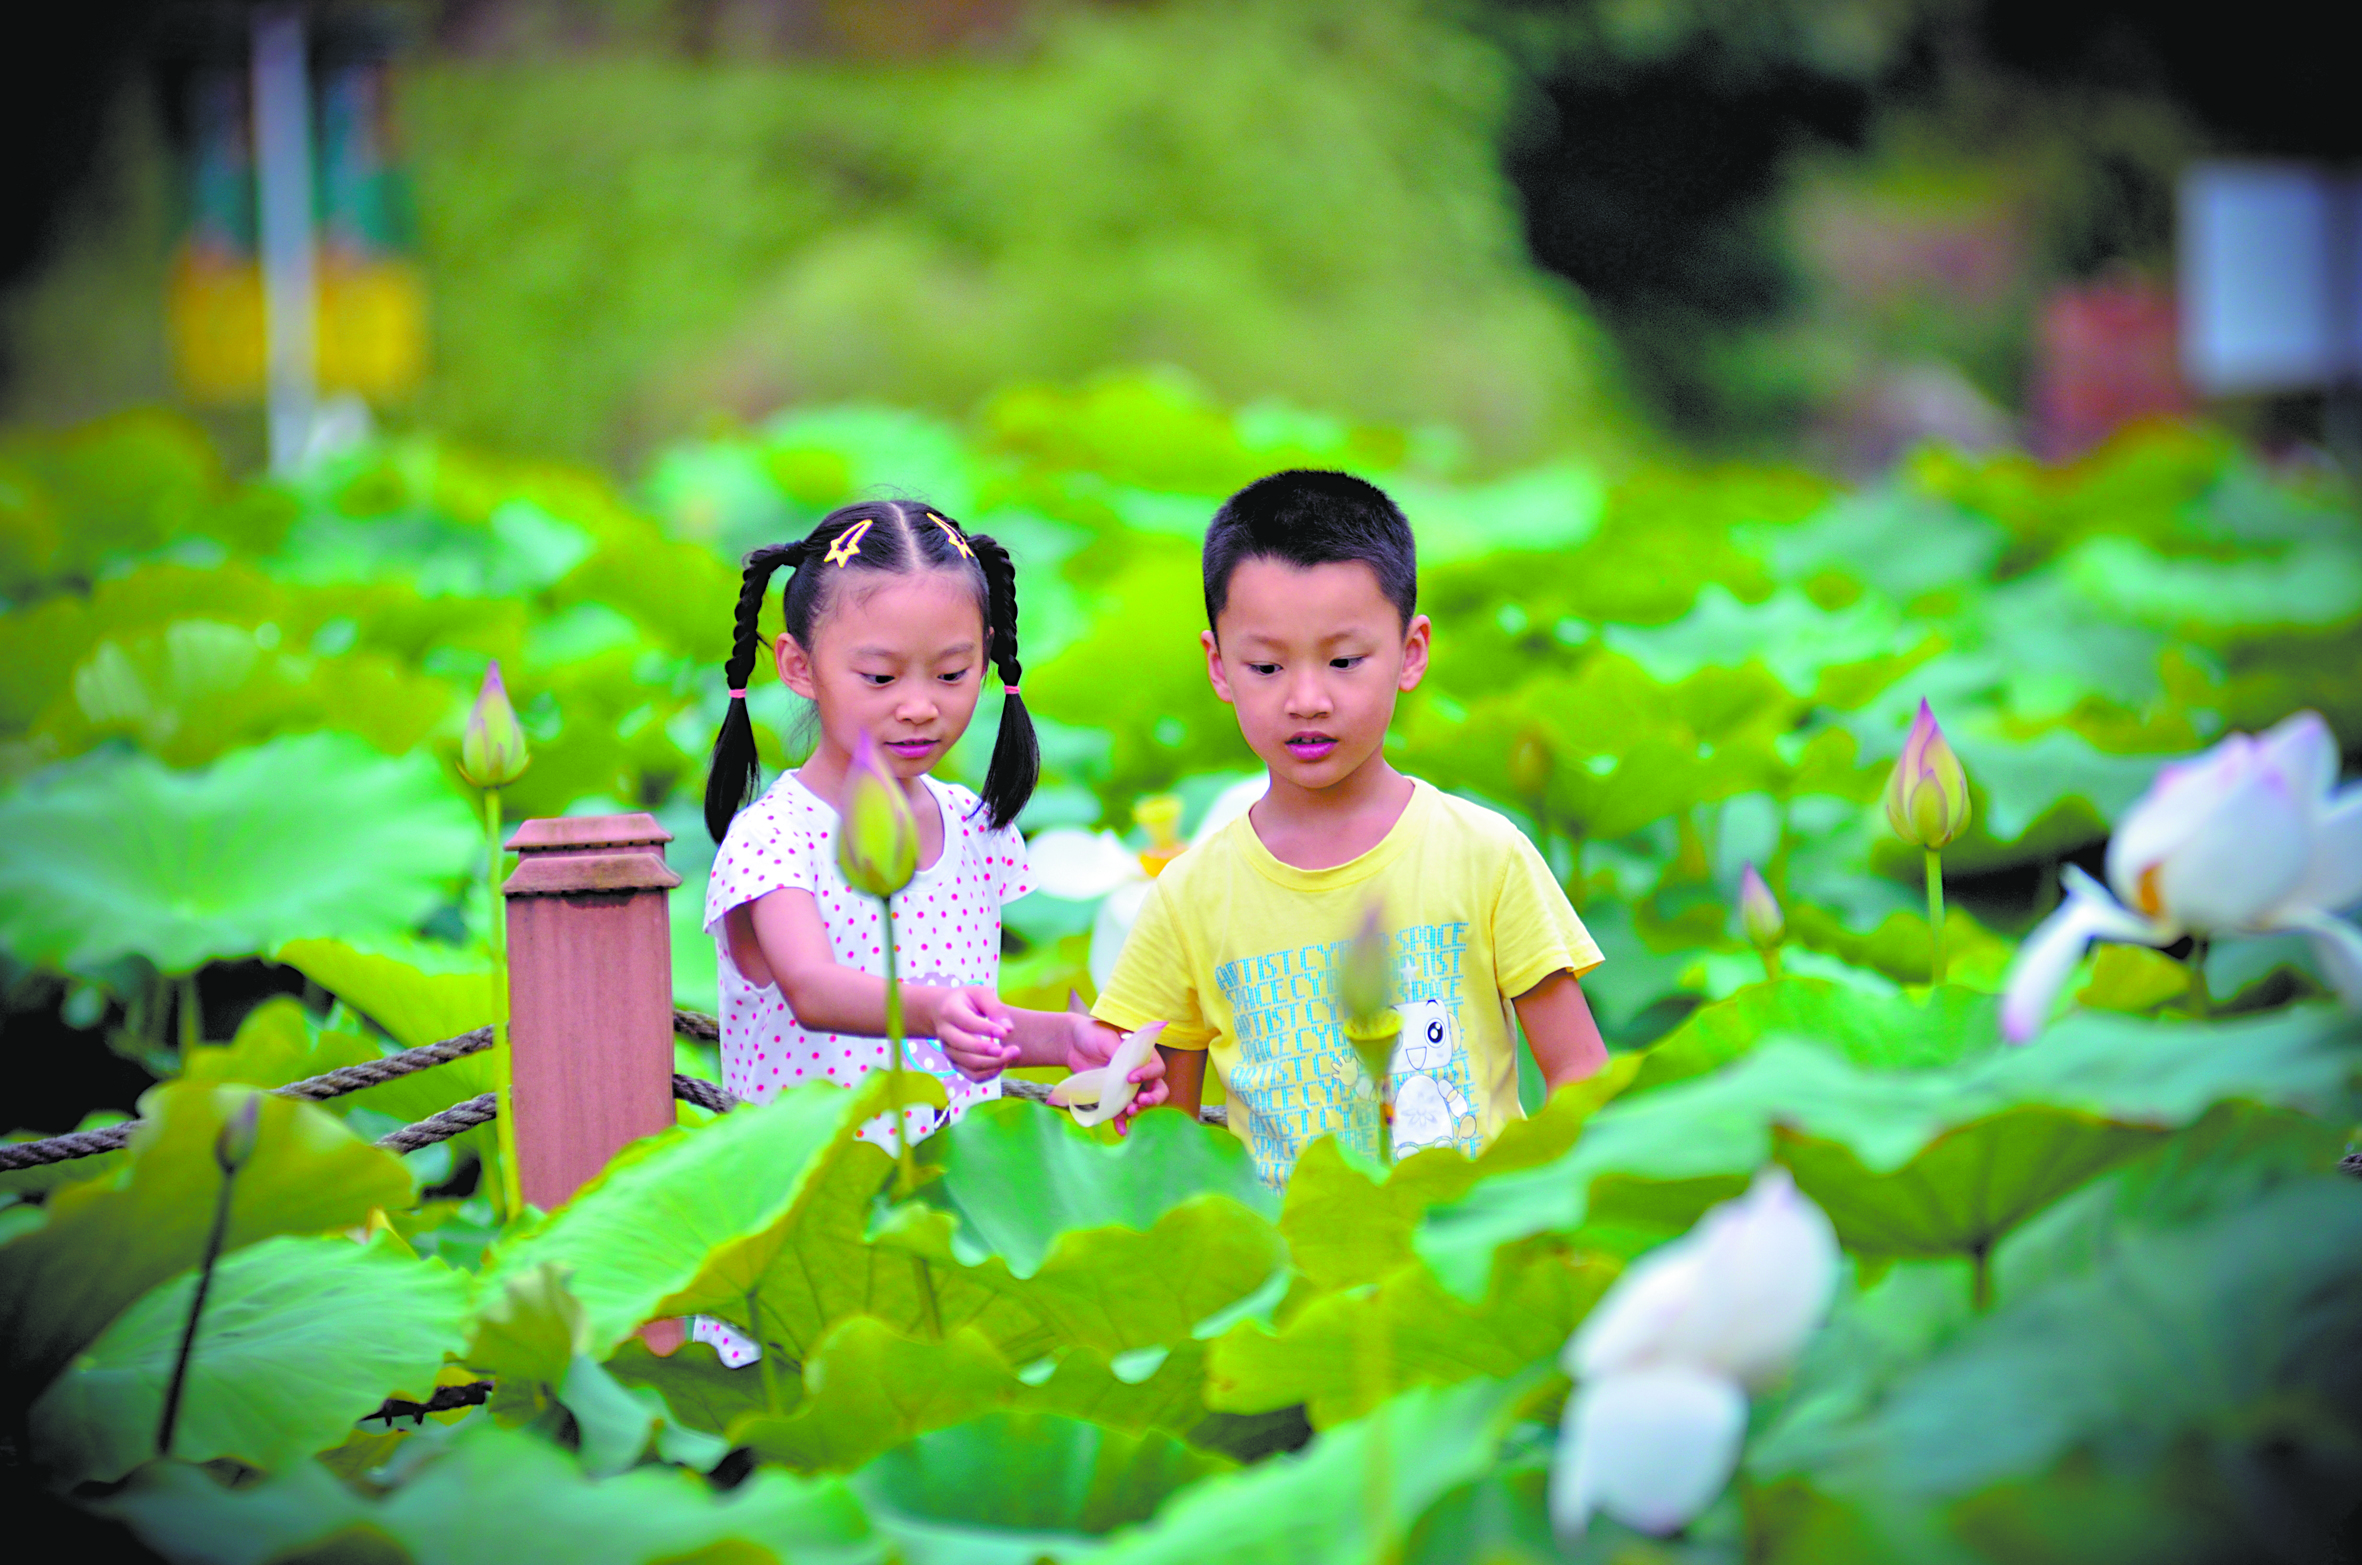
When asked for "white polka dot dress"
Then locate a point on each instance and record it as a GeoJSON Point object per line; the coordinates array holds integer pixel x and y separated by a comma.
{"type": "Point", "coordinates": [947, 930]}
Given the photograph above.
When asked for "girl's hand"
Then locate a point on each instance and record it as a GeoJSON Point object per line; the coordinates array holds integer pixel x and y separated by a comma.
{"type": "Point", "coordinates": [972, 1026]}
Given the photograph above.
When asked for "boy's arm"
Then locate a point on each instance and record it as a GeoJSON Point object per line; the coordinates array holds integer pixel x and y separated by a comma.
{"type": "Point", "coordinates": [1185, 1078]}
{"type": "Point", "coordinates": [1560, 1029]}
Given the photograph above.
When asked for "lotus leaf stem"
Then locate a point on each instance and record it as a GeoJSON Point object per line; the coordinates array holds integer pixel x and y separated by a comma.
{"type": "Point", "coordinates": [170, 1421]}
{"type": "Point", "coordinates": [2201, 1000]}
{"type": "Point", "coordinates": [1377, 1376]}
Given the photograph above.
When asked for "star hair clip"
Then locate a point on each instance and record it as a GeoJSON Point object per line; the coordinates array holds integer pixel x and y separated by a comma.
{"type": "Point", "coordinates": [953, 533]}
{"type": "Point", "coordinates": [848, 543]}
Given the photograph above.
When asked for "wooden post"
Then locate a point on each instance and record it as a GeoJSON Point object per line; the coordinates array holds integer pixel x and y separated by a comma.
{"type": "Point", "coordinates": [590, 995]}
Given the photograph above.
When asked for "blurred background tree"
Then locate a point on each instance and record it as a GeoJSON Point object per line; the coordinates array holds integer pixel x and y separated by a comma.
{"type": "Point", "coordinates": [1811, 227]}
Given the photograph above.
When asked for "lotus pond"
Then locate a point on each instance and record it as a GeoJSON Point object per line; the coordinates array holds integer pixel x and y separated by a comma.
{"type": "Point", "coordinates": [2093, 1296]}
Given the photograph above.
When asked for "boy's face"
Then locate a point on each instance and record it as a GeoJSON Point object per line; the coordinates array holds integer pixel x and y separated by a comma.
{"type": "Point", "coordinates": [1312, 658]}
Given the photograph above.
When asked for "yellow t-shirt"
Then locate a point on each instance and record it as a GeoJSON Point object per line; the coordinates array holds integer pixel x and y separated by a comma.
{"type": "Point", "coordinates": [1232, 951]}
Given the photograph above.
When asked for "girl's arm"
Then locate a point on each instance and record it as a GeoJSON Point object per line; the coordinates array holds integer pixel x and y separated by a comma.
{"type": "Point", "coordinates": [1559, 1028]}
{"type": "Point", "coordinates": [779, 938]}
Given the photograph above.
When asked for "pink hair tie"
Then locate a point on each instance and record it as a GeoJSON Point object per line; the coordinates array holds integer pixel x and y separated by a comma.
{"type": "Point", "coordinates": [1009, 689]}
{"type": "Point", "coordinates": [737, 695]}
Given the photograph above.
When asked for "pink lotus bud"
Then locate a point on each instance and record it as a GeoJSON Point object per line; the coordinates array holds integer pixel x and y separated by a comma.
{"type": "Point", "coordinates": [877, 837]}
{"type": "Point", "coordinates": [1927, 795]}
{"type": "Point", "coordinates": [1759, 910]}
{"type": "Point", "coordinates": [235, 1145]}
{"type": "Point", "coordinates": [492, 751]}
{"type": "Point", "coordinates": [1364, 979]}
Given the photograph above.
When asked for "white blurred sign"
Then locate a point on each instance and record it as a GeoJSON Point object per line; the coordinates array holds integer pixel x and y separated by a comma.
{"type": "Point", "coordinates": [2271, 277]}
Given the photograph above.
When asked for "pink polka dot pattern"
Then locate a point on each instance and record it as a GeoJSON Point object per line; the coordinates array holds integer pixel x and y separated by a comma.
{"type": "Point", "coordinates": [947, 929]}
{"type": "Point", "coordinates": [734, 1347]}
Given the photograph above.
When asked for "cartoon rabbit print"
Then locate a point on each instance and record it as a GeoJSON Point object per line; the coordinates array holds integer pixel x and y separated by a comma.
{"type": "Point", "coordinates": [1429, 1111]}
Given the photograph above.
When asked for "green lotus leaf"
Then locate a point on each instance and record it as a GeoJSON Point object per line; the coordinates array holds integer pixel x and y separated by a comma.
{"type": "Point", "coordinates": [868, 1389]}
{"type": "Point", "coordinates": [110, 1240]}
{"type": "Point", "coordinates": [2317, 582]}
{"type": "Point", "coordinates": [300, 1338]}
{"type": "Point", "coordinates": [527, 1333]}
{"type": "Point", "coordinates": [1014, 1488]}
{"type": "Point", "coordinates": [667, 1209]}
{"type": "Point", "coordinates": [1346, 1224]}
{"type": "Point", "coordinates": [195, 688]}
{"type": "Point", "coordinates": [2201, 1329]}
{"type": "Point", "coordinates": [1902, 1031]}
{"type": "Point", "coordinates": [115, 856]}
{"type": "Point", "coordinates": [419, 995]}
{"type": "Point", "coordinates": [699, 1389]}
{"type": "Point", "coordinates": [494, 1496]}
{"type": "Point", "coordinates": [1316, 1506]}
{"type": "Point", "coordinates": [1903, 544]}
{"type": "Point", "coordinates": [2020, 1127]}
{"type": "Point", "coordinates": [277, 1043]}
{"type": "Point", "coordinates": [1791, 635]}
{"type": "Point", "coordinates": [1116, 1247]}
{"type": "Point", "coordinates": [1344, 1351]}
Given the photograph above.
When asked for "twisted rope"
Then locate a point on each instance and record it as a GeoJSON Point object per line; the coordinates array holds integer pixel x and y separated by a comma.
{"type": "Point", "coordinates": [482, 1109]}
{"type": "Point", "coordinates": [353, 1078]}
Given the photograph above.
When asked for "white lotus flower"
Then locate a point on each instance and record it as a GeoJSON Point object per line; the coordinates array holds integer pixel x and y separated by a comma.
{"type": "Point", "coordinates": [1097, 1096]}
{"type": "Point", "coordinates": [2252, 837]}
{"type": "Point", "coordinates": [1087, 866]}
{"type": "Point", "coordinates": [1665, 1361]}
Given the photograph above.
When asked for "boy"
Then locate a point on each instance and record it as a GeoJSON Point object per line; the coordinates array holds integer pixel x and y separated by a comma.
{"type": "Point", "coordinates": [1311, 597]}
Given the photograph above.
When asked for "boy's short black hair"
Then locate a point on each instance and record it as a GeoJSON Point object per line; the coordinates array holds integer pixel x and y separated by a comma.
{"type": "Point", "coordinates": [1313, 518]}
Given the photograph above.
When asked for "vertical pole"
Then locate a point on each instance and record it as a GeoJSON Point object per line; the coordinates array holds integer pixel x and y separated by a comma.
{"type": "Point", "coordinates": [590, 996]}
{"type": "Point", "coordinates": [283, 180]}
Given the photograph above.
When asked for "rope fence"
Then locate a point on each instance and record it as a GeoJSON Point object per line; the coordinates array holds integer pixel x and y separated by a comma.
{"type": "Point", "coordinates": [453, 1121]}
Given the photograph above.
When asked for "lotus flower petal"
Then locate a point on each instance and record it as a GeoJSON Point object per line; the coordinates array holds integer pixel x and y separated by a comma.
{"type": "Point", "coordinates": [1630, 1326]}
{"type": "Point", "coordinates": [1081, 1088]}
{"type": "Point", "coordinates": [1081, 866]}
{"type": "Point", "coordinates": [2302, 749]}
{"type": "Point", "coordinates": [2177, 806]}
{"type": "Point", "coordinates": [1650, 1447]}
{"type": "Point", "coordinates": [2051, 952]}
{"type": "Point", "coordinates": [1115, 1089]}
{"type": "Point", "coordinates": [1113, 926]}
{"type": "Point", "coordinates": [1229, 805]}
{"type": "Point", "coordinates": [1739, 1294]}
{"type": "Point", "coordinates": [2333, 876]}
{"type": "Point", "coordinates": [1768, 1264]}
{"type": "Point", "coordinates": [2242, 862]}
{"type": "Point", "coordinates": [2338, 946]}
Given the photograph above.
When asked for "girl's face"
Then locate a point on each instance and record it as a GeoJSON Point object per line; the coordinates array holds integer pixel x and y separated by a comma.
{"type": "Point", "coordinates": [898, 657]}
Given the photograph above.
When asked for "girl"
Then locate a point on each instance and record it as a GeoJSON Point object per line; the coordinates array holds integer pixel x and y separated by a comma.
{"type": "Point", "coordinates": [889, 616]}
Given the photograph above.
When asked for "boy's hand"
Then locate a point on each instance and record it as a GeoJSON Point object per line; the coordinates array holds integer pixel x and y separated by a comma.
{"type": "Point", "coordinates": [973, 1027]}
{"type": "Point", "coordinates": [1093, 1043]}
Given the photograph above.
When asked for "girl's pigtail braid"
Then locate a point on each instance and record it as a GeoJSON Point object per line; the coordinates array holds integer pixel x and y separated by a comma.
{"type": "Point", "coordinates": [1016, 753]}
{"type": "Point", "coordinates": [736, 776]}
